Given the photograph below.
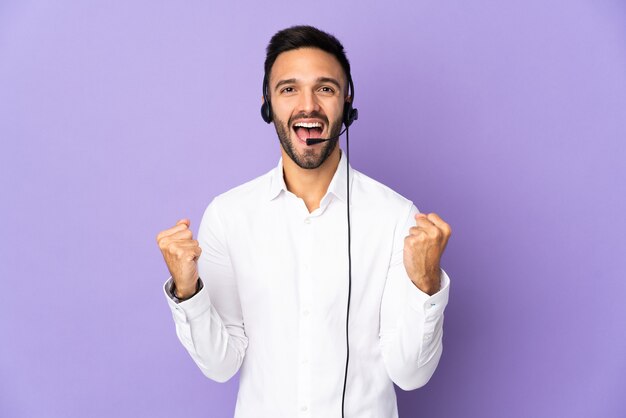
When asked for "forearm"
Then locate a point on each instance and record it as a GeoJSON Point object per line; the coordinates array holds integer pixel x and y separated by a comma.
{"type": "Point", "coordinates": [411, 344]}
{"type": "Point", "coordinates": [216, 348]}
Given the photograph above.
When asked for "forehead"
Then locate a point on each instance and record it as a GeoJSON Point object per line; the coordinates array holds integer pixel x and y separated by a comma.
{"type": "Point", "coordinates": [305, 64]}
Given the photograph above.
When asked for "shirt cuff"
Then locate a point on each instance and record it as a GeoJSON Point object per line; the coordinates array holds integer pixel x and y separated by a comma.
{"type": "Point", "coordinates": [188, 309]}
{"type": "Point", "coordinates": [423, 302]}
{"type": "Point", "coordinates": [169, 290]}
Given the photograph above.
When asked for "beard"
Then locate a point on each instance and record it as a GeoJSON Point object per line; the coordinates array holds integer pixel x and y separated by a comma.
{"type": "Point", "coordinates": [310, 158]}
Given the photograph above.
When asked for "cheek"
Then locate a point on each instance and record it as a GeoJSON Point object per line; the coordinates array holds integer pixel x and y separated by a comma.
{"type": "Point", "coordinates": [336, 110]}
{"type": "Point", "coordinates": [280, 116]}
{"type": "Point", "coordinates": [282, 108]}
{"type": "Point", "coordinates": [282, 127]}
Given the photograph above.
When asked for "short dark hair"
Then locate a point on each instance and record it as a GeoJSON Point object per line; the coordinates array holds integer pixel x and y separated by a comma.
{"type": "Point", "coordinates": [304, 36]}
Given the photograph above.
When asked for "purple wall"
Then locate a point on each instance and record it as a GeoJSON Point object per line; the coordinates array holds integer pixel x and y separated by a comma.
{"type": "Point", "coordinates": [507, 119]}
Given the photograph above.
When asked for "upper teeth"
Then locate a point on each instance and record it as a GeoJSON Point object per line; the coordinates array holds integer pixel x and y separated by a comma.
{"type": "Point", "coordinates": [309, 125]}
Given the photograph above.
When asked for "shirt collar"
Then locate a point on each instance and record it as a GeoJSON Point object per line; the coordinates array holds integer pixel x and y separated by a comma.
{"type": "Point", "coordinates": [277, 181]}
{"type": "Point", "coordinates": [337, 185]}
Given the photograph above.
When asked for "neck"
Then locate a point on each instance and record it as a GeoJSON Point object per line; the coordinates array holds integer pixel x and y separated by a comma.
{"type": "Point", "coordinates": [310, 184]}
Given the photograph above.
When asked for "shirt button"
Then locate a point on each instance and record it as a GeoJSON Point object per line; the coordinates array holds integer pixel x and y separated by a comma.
{"type": "Point", "coordinates": [303, 408]}
{"type": "Point", "coordinates": [307, 221]}
{"type": "Point", "coordinates": [305, 312]}
{"type": "Point", "coordinates": [304, 361]}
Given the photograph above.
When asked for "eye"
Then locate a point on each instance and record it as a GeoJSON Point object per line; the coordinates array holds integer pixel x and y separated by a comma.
{"type": "Point", "coordinates": [287, 90]}
{"type": "Point", "coordinates": [327, 89]}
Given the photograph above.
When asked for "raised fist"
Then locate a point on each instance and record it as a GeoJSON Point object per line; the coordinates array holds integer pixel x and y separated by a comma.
{"type": "Point", "coordinates": [181, 253]}
{"type": "Point", "coordinates": [423, 248]}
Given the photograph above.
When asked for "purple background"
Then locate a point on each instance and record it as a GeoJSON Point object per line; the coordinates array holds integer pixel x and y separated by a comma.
{"type": "Point", "coordinates": [507, 118]}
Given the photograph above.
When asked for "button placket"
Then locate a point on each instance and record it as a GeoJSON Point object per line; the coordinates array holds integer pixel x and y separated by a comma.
{"type": "Point", "coordinates": [304, 343]}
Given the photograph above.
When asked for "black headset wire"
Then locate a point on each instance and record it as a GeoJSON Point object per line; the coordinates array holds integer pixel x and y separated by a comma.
{"type": "Point", "coordinates": [345, 377]}
{"type": "Point", "coordinates": [266, 113]}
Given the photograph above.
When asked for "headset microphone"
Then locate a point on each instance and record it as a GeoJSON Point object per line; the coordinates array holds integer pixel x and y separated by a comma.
{"type": "Point", "coordinates": [313, 141]}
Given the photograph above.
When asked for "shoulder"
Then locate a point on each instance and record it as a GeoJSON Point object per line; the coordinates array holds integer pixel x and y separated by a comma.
{"type": "Point", "coordinates": [246, 195]}
{"type": "Point", "coordinates": [373, 194]}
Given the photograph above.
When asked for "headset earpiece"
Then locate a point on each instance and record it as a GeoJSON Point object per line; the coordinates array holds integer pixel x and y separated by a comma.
{"type": "Point", "coordinates": [266, 112]}
{"type": "Point", "coordinates": [350, 114]}
{"type": "Point", "coordinates": [266, 107]}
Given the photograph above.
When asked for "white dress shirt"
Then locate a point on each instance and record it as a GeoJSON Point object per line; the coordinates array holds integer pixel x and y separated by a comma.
{"type": "Point", "coordinates": [275, 293]}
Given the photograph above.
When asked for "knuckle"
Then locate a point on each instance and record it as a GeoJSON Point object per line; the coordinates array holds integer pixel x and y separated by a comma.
{"type": "Point", "coordinates": [162, 235]}
{"type": "Point", "coordinates": [163, 243]}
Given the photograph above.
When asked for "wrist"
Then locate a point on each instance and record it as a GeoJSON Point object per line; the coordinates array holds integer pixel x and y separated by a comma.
{"type": "Point", "coordinates": [186, 293]}
{"type": "Point", "coordinates": [430, 284]}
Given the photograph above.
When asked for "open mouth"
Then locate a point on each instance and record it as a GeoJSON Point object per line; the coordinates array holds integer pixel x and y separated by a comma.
{"type": "Point", "coordinates": [305, 130]}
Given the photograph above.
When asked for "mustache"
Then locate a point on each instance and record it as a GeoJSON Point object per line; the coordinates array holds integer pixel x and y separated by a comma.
{"type": "Point", "coordinates": [312, 115]}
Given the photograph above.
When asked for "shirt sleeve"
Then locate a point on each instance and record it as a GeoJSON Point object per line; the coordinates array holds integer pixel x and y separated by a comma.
{"type": "Point", "coordinates": [210, 324]}
{"type": "Point", "coordinates": [411, 328]}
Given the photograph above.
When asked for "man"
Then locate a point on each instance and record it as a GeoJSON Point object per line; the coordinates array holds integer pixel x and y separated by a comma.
{"type": "Point", "coordinates": [265, 287]}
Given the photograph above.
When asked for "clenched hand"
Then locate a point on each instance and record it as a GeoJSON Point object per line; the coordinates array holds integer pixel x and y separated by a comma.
{"type": "Point", "coordinates": [423, 248]}
{"type": "Point", "coordinates": [181, 253]}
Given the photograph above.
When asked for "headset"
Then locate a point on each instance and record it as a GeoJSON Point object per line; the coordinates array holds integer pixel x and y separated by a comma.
{"type": "Point", "coordinates": [350, 114]}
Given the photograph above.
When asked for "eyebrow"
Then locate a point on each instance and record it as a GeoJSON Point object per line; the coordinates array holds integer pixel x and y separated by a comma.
{"type": "Point", "coordinates": [329, 80]}
{"type": "Point", "coordinates": [319, 80]}
{"type": "Point", "coordinates": [283, 82]}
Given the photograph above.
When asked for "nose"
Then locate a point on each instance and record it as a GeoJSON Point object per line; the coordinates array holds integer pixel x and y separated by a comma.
{"type": "Point", "coordinates": [308, 102]}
